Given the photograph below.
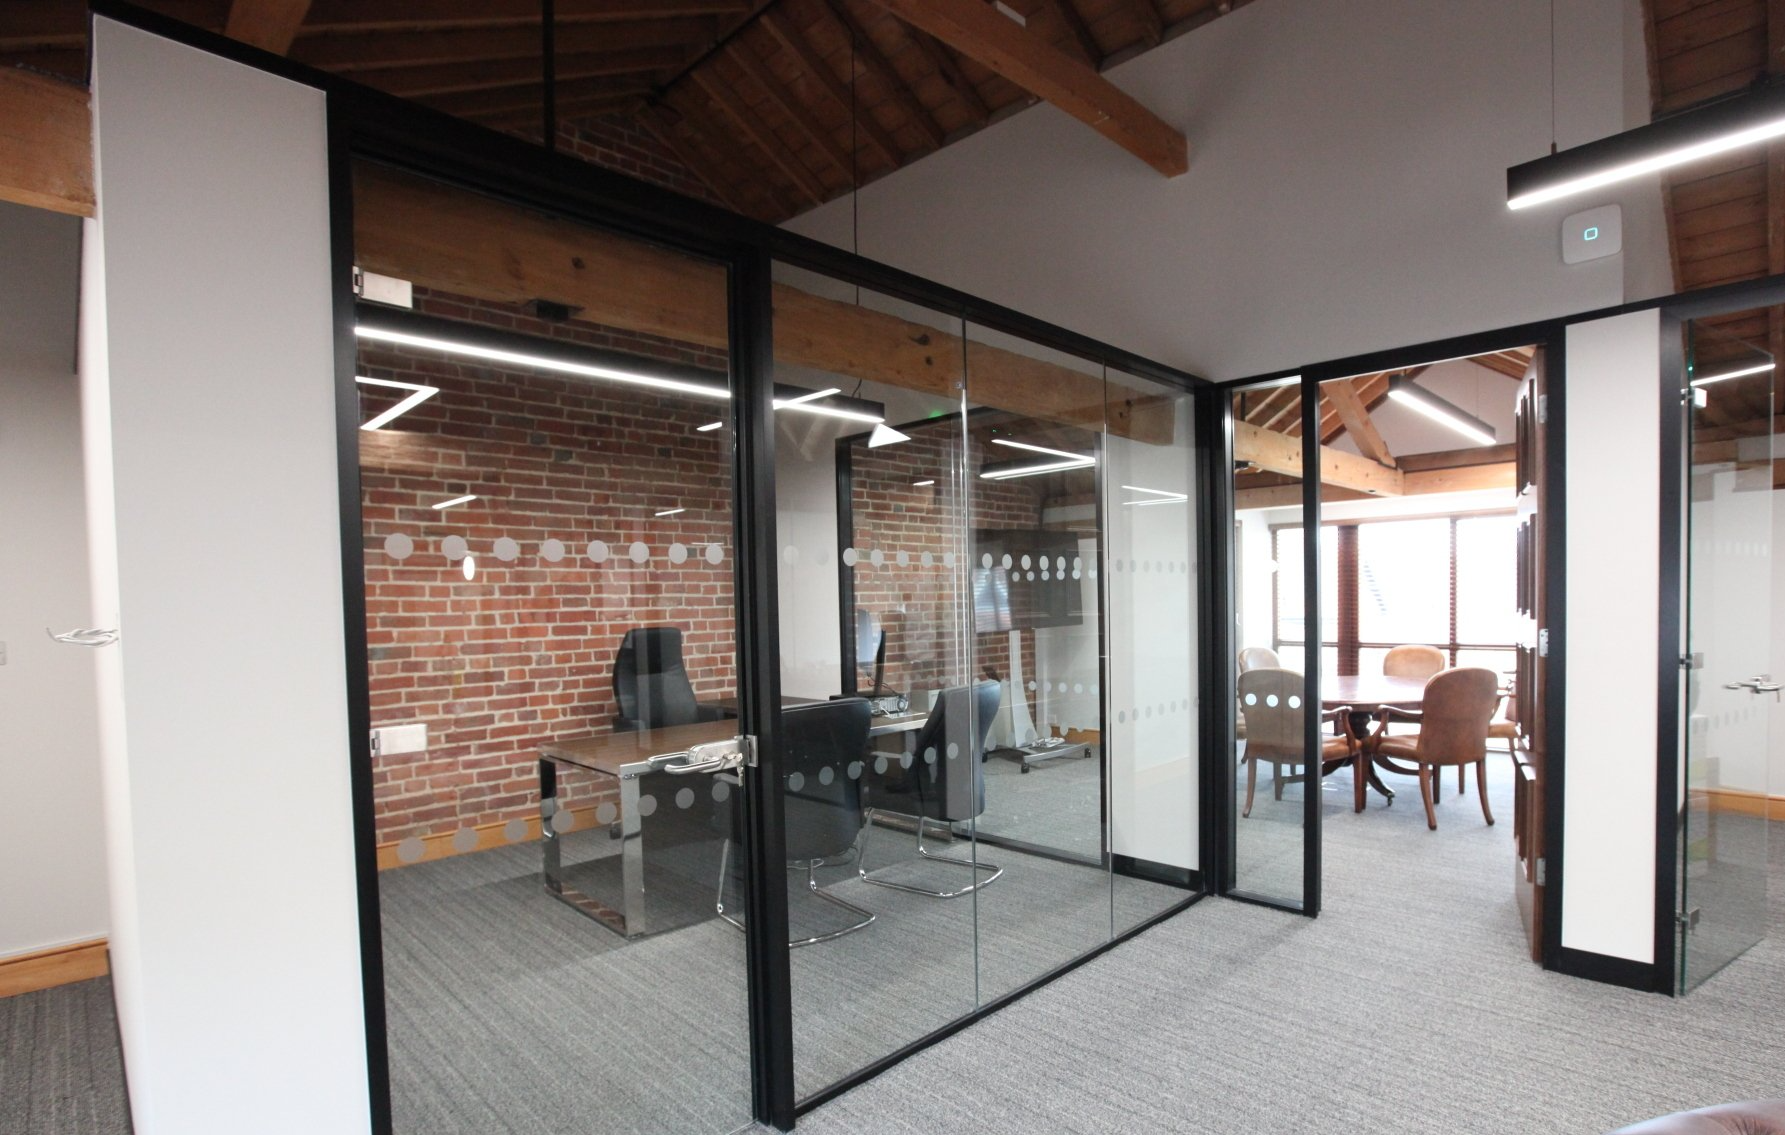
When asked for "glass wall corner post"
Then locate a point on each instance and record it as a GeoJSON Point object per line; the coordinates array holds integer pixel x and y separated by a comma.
{"type": "Point", "coordinates": [767, 956]}
{"type": "Point", "coordinates": [1311, 715]}
{"type": "Point", "coordinates": [1219, 618]}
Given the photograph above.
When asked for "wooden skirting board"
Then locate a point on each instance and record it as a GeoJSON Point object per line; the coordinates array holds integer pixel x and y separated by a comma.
{"type": "Point", "coordinates": [492, 834]}
{"type": "Point", "coordinates": [58, 965]}
{"type": "Point", "coordinates": [1738, 802]}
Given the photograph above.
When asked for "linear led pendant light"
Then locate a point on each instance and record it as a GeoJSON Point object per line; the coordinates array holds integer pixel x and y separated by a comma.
{"type": "Point", "coordinates": [1730, 124]}
{"type": "Point", "coordinates": [1739, 372]}
{"type": "Point", "coordinates": [1418, 398]}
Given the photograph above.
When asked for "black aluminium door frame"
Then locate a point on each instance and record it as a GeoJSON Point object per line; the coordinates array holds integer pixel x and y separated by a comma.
{"type": "Point", "coordinates": [753, 521]}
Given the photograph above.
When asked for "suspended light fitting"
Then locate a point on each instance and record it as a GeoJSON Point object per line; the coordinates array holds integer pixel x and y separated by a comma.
{"type": "Point", "coordinates": [1731, 124]}
{"type": "Point", "coordinates": [1065, 460]}
{"type": "Point", "coordinates": [1739, 372]}
{"type": "Point", "coordinates": [1418, 398]}
{"type": "Point", "coordinates": [417, 395]}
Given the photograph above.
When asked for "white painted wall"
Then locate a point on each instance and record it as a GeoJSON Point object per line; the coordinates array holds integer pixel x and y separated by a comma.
{"type": "Point", "coordinates": [1613, 555]}
{"type": "Point", "coordinates": [213, 493]}
{"type": "Point", "coordinates": [1346, 188]}
{"type": "Point", "coordinates": [52, 842]}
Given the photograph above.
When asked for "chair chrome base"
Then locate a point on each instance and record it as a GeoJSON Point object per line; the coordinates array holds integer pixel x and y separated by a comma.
{"type": "Point", "coordinates": [868, 876]}
{"type": "Point", "coordinates": [811, 865]}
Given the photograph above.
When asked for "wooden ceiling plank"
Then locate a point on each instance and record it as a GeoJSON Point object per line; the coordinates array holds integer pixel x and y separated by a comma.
{"type": "Point", "coordinates": [1152, 28]}
{"type": "Point", "coordinates": [874, 62]}
{"type": "Point", "coordinates": [358, 16]}
{"type": "Point", "coordinates": [765, 139]}
{"type": "Point", "coordinates": [29, 24]}
{"type": "Point", "coordinates": [347, 54]}
{"type": "Point", "coordinates": [796, 111]}
{"type": "Point", "coordinates": [950, 71]}
{"type": "Point", "coordinates": [1350, 407]}
{"type": "Point", "coordinates": [795, 43]}
{"type": "Point", "coordinates": [692, 157]}
{"type": "Point", "coordinates": [626, 102]}
{"type": "Point", "coordinates": [1067, 14]}
{"type": "Point", "coordinates": [532, 95]}
{"type": "Point", "coordinates": [452, 78]}
{"type": "Point", "coordinates": [979, 32]}
{"type": "Point", "coordinates": [46, 155]}
{"type": "Point", "coordinates": [777, 205]}
{"type": "Point", "coordinates": [270, 25]}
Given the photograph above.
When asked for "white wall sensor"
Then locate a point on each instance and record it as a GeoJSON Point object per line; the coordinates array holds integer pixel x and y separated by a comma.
{"type": "Point", "coordinates": [1593, 234]}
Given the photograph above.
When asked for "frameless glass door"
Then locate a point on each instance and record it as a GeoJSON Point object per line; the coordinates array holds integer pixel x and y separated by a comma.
{"type": "Point", "coordinates": [546, 466]}
{"type": "Point", "coordinates": [1277, 635]}
{"type": "Point", "coordinates": [1732, 686]}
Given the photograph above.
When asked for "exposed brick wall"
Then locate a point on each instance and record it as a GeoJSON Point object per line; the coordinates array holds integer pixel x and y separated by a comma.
{"type": "Point", "coordinates": [524, 653]}
{"type": "Point", "coordinates": [920, 606]}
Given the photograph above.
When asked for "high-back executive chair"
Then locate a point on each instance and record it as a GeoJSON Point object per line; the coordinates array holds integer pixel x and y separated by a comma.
{"type": "Point", "coordinates": [823, 748]}
{"type": "Point", "coordinates": [1259, 658]}
{"type": "Point", "coordinates": [940, 779]}
{"type": "Point", "coordinates": [651, 684]}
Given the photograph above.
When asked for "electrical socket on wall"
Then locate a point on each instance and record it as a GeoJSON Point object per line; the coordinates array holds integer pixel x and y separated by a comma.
{"type": "Point", "coordinates": [389, 740]}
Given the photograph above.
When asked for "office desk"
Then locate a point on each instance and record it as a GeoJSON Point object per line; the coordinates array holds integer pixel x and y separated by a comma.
{"type": "Point", "coordinates": [636, 760]}
{"type": "Point", "coordinates": [633, 759]}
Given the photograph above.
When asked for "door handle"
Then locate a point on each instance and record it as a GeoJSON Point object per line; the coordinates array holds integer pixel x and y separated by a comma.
{"type": "Point", "coordinates": [84, 636]}
{"type": "Point", "coordinates": [714, 756]}
{"type": "Point", "coordinates": [1758, 684]}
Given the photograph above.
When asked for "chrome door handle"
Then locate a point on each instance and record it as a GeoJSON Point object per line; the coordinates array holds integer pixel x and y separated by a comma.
{"type": "Point", "coordinates": [714, 756]}
{"type": "Point", "coordinates": [1758, 684]}
{"type": "Point", "coordinates": [84, 636]}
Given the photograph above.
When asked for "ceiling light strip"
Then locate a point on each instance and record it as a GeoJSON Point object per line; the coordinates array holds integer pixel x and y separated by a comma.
{"type": "Point", "coordinates": [418, 395]}
{"type": "Point", "coordinates": [539, 362]}
{"type": "Point", "coordinates": [1743, 372]}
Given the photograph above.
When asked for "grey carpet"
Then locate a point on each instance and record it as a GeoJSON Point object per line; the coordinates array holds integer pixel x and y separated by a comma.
{"type": "Point", "coordinates": [1409, 1005]}
{"type": "Point", "coordinates": [60, 1069]}
{"type": "Point", "coordinates": [510, 1012]}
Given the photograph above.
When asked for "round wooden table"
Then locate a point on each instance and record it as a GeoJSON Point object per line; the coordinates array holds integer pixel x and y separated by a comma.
{"type": "Point", "coordinates": [1365, 694]}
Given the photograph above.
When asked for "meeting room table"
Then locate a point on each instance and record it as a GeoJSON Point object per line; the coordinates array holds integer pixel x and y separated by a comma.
{"type": "Point", "coordinates": [1365, 694]}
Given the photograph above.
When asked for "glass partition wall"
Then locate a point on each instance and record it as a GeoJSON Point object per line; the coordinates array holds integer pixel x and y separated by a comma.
{"type": "Point", "coordinates": [984, 761]}
{"type": "Point", "coordinates": [1003, 773]}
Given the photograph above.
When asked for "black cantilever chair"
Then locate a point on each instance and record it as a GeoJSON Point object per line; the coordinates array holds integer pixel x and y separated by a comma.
{"type": "Point", "coordinates": [823, 802]}
{"type": "Point", "coordinates": [942, 779]}
{"type": "Point", "coordinates": [651, 683]}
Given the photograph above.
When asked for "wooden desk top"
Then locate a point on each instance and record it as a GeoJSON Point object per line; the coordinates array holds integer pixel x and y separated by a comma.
{"type": "Point", "coordinates": [1368, 691]}
{"type": "Point", "coordinates": [610, 752]}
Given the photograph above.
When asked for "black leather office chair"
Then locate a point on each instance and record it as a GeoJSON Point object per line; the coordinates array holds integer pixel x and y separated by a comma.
{"type": "Point", "coordinates": [651, 684]}
{"type": "Point", "coordinates": [941, 779]}
{"type": "Point", "coordinates": [820, 744]}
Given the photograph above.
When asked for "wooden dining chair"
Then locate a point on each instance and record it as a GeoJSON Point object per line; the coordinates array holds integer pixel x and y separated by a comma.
{"type": "Point", "coordinates": [1271, 698]}
{"type": "Point", "coordinates": [1414, 662]}
{"type": "Point", "coordinates": [1453, 730]}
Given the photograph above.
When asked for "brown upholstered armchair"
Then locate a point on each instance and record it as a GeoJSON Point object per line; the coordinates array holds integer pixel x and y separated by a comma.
{"type": "Point", "coordinates": [1755, 1117]}
{"type": "Point", "coordinates": [1272, 702]}
{"type": "Point", "coordinates": [1453, 730]}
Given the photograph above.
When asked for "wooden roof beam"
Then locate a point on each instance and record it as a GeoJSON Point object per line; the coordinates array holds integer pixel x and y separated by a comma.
{"type": "Point", "coordinates": [350, 16]}
{"type": "Point", "coordinates": [348, 54]}
{"type": "Point", "coordinates": [452, 78]}
{"type": "Point", "coordinates": [978, 31]}
{"type": "Point", "coordinates": [270, 25]}
{"type": "Point", "coordinates": [795, 43]}
{"type": "Point", "coordinates": [1280, 453]}
{"type": "Point", "coordinates": [46, 140]}
{"type": "Point", "coordinates": [1347, 400]}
